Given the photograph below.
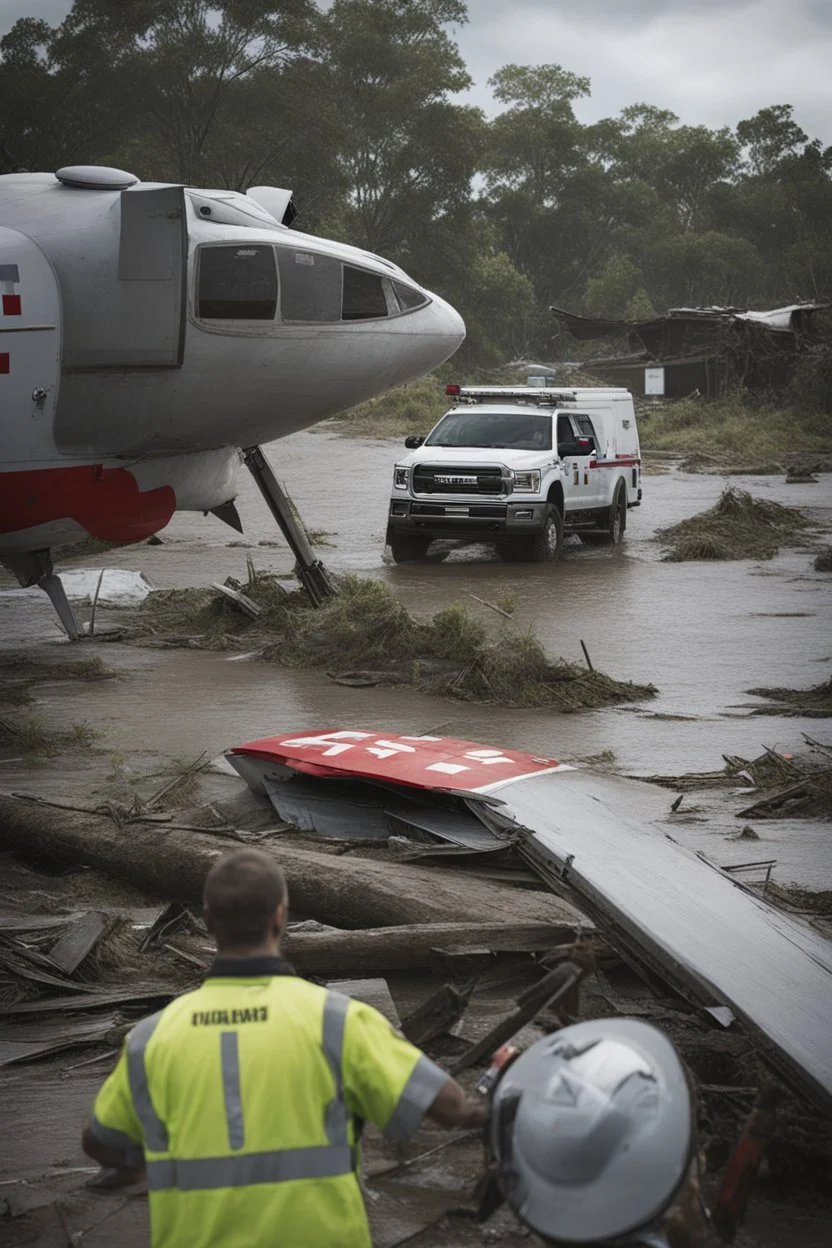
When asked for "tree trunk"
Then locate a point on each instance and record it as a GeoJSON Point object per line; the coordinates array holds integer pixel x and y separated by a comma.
{"type": "Point", "coordinates": [347, 893]}
{"type": "Point", "coordinates": [401, 948]}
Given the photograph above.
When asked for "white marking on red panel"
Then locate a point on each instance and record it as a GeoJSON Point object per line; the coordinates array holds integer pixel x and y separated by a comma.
{"type": "Point", "coordinates": [409, 760]}
{"type": "Point", "coordinates": [10, 300]}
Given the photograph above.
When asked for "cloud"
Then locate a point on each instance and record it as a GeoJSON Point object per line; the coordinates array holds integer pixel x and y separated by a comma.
{"type": "Point", "coordinates": [712, 62]}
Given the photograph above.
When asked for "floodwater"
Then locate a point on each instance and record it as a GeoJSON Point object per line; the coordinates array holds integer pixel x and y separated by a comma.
{"type": "Point", "coordinates": [703, 633]}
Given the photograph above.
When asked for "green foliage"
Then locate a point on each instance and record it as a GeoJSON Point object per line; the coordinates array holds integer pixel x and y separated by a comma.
{"type": "Point", "coordinates": [414, 408]}
{"type": "Point", "coordinates": [357, 106]}
{"type": "Point", "coordinates": [738, 526]}
{"type": "Point", "coordinates": [732, 431]}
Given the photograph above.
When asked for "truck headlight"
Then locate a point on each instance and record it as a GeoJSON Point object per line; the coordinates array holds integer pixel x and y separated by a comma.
{"type": "Point", "coordinates": [400, 478]}
{"type": "Point", "coordinates": [527, 482]}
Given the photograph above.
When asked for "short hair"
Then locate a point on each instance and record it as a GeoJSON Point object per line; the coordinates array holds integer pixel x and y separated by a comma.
{"type": "Point", "coordinates": [242, 891]}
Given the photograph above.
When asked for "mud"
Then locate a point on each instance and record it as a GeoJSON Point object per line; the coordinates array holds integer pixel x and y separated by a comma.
{"type": "Point", "coordinates": [702, 633]}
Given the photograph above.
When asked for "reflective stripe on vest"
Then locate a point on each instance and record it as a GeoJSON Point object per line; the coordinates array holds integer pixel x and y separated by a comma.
{"type": "Point", "coordinates": [242, 1170]}
{"type": "Point", "coordinates": [336, 1115]}
{"type": "Point", "coordinates": [154, 1130]}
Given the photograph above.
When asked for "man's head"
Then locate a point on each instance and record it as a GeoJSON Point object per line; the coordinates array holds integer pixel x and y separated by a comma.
{"type": "Point", "coordinates": [245, 902]}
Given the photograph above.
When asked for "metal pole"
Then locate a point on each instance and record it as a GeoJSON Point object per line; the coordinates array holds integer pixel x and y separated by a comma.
{"type": "Point", "coordinates": [310, 571]}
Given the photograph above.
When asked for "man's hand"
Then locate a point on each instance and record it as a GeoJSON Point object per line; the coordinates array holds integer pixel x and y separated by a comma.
{"type": "Point", "coordinates": [112, 1159]}
{"type": "Point", "coordinates": [452, 1108]}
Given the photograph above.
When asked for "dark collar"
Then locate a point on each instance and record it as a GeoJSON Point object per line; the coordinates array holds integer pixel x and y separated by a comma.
{"type": "Point", "coordinates": [260, 967]}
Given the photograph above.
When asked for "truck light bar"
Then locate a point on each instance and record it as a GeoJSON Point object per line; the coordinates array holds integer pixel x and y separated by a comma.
{"type": "Point", "coordinates": [537, 395]}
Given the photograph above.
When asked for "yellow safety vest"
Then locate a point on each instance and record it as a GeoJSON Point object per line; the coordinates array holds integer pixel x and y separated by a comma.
{"type": "Point", "coordinates": [243, 1096]}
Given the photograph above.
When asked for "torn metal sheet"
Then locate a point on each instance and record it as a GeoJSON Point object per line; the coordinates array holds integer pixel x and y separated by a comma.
{"type": "Point", "coordinates": [703, 933]}
{"type": "Point", "coordinates": [333, 810]}
{"type": "Point", "coordinates": [422, 762]}
{"type": "Point", "coordinates": [460, 829]}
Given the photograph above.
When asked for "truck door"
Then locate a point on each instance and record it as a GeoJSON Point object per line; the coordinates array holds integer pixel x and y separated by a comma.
{"type": "Point", "coordinates": [30, 354]}
{"type": "Point", "coordinates": [597, 487]}
{"type": "Point", "coordinates": [576, 451]}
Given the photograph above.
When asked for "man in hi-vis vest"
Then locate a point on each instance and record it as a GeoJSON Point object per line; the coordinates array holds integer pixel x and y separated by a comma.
{"type": "Point", "coordinates": [243, 1101]}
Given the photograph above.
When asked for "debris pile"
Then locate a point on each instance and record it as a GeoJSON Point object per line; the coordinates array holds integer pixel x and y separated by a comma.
{"type": "Point", "coordinates": [738, 526]}
{"type": "Point", "coordinates": [814, 703]}
{"type": "Point", "coordinates": [364, 636]}
{"type": "Point", "coordinates": [788, 785]}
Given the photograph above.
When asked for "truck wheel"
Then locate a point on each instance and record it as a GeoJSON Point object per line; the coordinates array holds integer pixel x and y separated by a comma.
{"type": "Point", "coordinates": [617, 521]}
{"type": "Point", "coordinates": [407, 549]}
{"type": "Point", "coordinates": [547, 546]}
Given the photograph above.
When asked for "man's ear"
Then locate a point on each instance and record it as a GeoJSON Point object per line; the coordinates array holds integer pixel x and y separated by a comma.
{"type": "Point", "coordinates": [207, 920]}
{"type": "Point", "coordinates": [281, 915]}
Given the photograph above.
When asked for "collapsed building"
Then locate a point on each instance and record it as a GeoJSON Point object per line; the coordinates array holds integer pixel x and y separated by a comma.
{"type": "Point", "coordinates": [706, 350]}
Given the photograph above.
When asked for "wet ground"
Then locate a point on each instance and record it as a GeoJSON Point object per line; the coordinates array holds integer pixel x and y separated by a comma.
{"type": "Point", "coordinates": [703, 633]}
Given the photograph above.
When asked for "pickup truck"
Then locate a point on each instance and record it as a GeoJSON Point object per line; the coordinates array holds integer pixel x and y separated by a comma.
{"type": "Point", "coordinates": [519, 467]}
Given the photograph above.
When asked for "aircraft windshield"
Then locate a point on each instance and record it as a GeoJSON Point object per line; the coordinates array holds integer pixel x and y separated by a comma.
{"type": "Point", "coordinates": [530, 431]}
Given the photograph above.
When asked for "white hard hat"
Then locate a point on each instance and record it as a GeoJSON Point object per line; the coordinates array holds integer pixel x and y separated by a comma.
{"type": "Point", "coordinates": [593, 1134]}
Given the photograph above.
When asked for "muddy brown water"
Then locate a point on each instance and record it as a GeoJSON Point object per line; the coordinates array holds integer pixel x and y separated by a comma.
{"type": "Point", "coordinates": [703, 633]}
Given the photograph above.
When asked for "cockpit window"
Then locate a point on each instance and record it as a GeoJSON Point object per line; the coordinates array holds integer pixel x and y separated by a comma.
{"type": "Point", "coordinates": [310, 286]}
{"type": "Point", "coordinates": [409, 297]}
{"type": "Point", "coordinates": [363, 298]}
{"type": "Point", "coordinates": [237, 284]}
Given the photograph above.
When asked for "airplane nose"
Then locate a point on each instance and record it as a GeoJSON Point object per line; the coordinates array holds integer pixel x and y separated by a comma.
{"type": "Point", "coordinates": [449, 325]}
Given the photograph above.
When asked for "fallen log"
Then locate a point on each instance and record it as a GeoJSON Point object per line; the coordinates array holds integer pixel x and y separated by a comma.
{"type": "Point", "coordinates": [345, 892]}
{"type": "Point", "coordinates": [406, 947]}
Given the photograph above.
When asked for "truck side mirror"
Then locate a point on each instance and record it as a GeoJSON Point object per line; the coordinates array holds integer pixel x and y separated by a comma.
{"type": "Point", "coordinates": [414, 440]}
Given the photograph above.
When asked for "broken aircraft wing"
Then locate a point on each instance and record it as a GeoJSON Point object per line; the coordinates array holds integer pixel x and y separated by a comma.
{"type": "Point", "coordinates": [664, 907]}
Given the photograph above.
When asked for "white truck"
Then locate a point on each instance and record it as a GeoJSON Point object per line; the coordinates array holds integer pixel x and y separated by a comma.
{"type": "Point", "coordinates": [519, 466]}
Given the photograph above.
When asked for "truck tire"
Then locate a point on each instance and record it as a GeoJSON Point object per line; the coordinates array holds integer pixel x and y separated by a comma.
{"type": "Point", "coordinates": [407, 548]}
{"type": "Point", "coordinates": [617, 520]}
{"type": "Point", "coordinates": [544, 547]}
{"type": "Point", "coordinates": [616, 525]}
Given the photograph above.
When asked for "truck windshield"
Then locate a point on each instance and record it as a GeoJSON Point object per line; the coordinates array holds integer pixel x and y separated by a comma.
{"type": "Point", "coordinates": [516, 431]}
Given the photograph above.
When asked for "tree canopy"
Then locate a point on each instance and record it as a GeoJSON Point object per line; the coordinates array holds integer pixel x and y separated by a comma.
{"type": "Point", "coordinates": [358, 109]}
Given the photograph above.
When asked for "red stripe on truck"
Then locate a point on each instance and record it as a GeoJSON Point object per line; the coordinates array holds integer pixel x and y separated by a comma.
{"type": "Point", "coordinates": [616, 463]}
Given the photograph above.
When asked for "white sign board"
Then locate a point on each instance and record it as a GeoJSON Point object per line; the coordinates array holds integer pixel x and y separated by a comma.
{"type": "Point", "coordinates": [654, 381]}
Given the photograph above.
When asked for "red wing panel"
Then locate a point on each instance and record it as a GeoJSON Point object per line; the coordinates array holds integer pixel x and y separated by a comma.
{"type": "Point", "coordinates": [107, 502]}
{"type": "Point", "coordinates": [420, 762]}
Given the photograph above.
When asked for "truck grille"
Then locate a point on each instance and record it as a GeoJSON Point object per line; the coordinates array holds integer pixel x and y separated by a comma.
{"type": "Point", "coordinates": [436, 479]}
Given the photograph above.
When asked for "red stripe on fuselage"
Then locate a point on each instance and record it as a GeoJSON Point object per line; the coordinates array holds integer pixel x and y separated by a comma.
{"type": "Point", "coordinates": [107, 502]}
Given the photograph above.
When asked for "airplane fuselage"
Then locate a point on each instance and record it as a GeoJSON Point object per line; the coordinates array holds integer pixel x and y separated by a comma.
{"type": "Point", "coordinates": [148, 331]}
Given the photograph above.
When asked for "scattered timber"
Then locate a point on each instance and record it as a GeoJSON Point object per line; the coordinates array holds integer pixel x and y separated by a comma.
{"type": "Point", "coordinates": [346, 892]}
{"type": "Point", "coordinates": [412, 946]}
{"type": "Point", "coordinates": [556, 987]}
{"type": "Point", "coordinates": [437, 1014]}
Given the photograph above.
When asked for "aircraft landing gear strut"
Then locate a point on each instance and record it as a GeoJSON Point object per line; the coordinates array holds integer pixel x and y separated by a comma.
{"type": "Point", "coordinates": [35, 568]}
{"type": "Point", "coordinates": [310, 571]}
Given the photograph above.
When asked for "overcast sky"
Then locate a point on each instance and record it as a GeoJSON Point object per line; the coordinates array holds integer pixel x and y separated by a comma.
{"type": "Point", "coordinates": [710, 61]}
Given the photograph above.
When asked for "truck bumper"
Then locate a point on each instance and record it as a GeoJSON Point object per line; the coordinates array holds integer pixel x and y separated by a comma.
{"type": "Point", "coordinates": [472, 521]}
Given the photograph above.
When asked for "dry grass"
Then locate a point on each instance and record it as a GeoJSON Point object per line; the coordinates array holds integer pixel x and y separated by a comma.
{"type": "Point", "coordinates": [732, 430]}
{"type": "Point", "coordinates": [738, 526]}
{"type": "Point", "coordinates": [19, 673]}
{"type": "Point", "coordinates": [37, 742]}
{"type": "Point", "coordinates": [364, 630]}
